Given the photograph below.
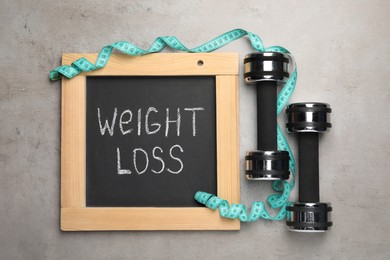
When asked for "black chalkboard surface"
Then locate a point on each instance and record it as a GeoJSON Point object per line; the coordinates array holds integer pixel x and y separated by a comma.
{"type": "Point", "coordinates": [150, 141]}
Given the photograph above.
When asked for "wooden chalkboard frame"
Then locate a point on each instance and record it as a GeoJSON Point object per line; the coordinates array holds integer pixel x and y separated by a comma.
{"type": "Point", "coordinates": [75, 216]}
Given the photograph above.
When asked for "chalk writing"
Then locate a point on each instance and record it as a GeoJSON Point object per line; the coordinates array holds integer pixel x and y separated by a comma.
{"type": "Point", "coordinates": [140, 157]}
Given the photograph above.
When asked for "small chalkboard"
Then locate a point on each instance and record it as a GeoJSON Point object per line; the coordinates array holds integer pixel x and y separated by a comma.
{"type": "Point", "coordinates": [141, 136]}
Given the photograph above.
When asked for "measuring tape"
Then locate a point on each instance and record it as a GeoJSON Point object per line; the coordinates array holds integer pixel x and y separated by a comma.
{"type": "Point", "coordinates": [276, 201]}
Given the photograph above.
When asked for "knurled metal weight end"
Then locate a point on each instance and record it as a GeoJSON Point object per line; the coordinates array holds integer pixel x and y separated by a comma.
{"type": "Point", "coordinates": [308, 117]}
{"type": "Point", "coordinates": [309, 217]}
{"type": "Point", "coordinates": [266, 66]}
{"type": "Point", "coordinates": [267, 165]}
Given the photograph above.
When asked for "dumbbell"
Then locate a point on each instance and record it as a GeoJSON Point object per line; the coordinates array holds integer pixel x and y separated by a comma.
{"type": "Point", "coordinates": [265, 70]}
{"type": "Point", "coordinates": [308, 120]}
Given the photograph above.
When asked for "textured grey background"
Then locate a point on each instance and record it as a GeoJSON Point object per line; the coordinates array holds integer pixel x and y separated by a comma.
{"type": "Point", "coordinates": [342, 50]}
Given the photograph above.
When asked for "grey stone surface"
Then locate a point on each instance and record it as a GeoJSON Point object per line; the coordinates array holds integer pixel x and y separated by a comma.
{"type": "Point", "coordinates": [342, 50]}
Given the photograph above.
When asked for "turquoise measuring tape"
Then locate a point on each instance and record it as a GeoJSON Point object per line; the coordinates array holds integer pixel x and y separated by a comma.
{"type": "Point", "coordinates": [276, 201]}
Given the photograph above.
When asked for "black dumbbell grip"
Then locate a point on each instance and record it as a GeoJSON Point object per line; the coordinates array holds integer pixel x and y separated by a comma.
{"type": "Point", "coordinates": [309, 190]}
{"type": "Point", "coordinates": [266, 115]}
